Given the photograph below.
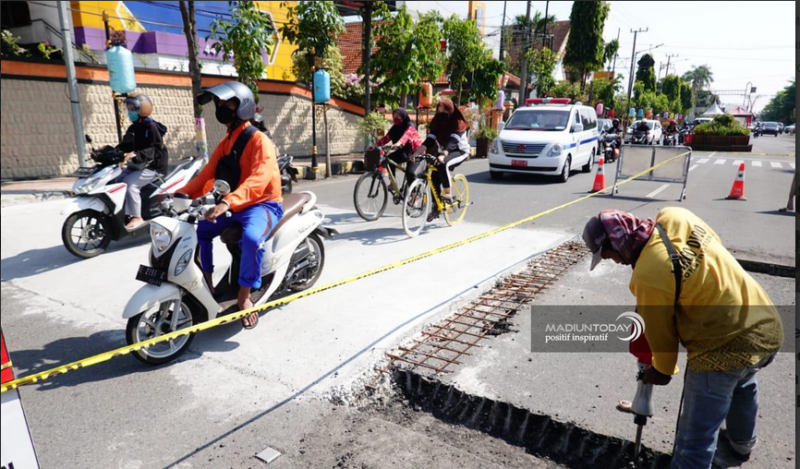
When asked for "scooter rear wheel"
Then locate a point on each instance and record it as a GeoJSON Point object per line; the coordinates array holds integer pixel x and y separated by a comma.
{"type": "Point", "coordinates": [86, 234]}
{"type": "Point", "coordinates": [315, 245]}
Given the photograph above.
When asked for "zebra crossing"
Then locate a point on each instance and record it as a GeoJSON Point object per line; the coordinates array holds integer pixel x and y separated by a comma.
{"type": "Point", "coordinates": [755, 164]}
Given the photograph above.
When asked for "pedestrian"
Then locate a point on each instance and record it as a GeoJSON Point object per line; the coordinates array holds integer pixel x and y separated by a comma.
{"type": "Point", "coordinates": [691, 291]}
{"type": "Point", "coordinates": [792, 191]}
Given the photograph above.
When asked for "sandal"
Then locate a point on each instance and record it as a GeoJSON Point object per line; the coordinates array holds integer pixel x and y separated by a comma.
{"type": "Point", "coordinates": [253, 324]}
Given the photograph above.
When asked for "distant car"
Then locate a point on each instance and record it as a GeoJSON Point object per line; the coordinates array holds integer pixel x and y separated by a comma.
{"type": "Point", "coordinates": [789, 129]}
{"type": "Point", "coordinates": [780, 127]}
{"type": "Point", "coordinates": [653, 136]}
{"type": "Point", "coordinates": [771, 128]}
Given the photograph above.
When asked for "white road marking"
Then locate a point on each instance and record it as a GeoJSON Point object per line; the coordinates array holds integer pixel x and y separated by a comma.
{"type": "Point", "coordinates": [757, 164]}
{"type": "Point", "coordinates": [720, 161]}
{"type": "Point", "coordinates": [657, 191]}
{"type": "Point", "coordinates": [693, 167]}
{"type": "Point", "coordinates": [712, 154]}
{"type": "Point", "coordinates": [738, 162]}
{"type": "Point", "coordinates": [776, 165]}
{"type": "Point", "coordinates": [792, 165]}
{"type": "Point", "coordinates": [703, 160]}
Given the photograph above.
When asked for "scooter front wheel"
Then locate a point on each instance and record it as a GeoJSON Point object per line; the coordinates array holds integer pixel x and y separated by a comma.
{"type": "Point", "coordinates": [168, 317]}
{"type": "Point", "coordinates": [86, 234]}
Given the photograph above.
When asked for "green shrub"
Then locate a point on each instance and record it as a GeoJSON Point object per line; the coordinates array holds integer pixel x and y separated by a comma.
{"type": "Point", "coordinates": [486, 132]}
{"type": "Point", "coordinates": [716, 128]}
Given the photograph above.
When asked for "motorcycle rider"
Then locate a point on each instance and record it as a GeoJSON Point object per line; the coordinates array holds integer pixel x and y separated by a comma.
{"type": "Point", "coordinates": [615, 128]}
{"type": "Point", "coordinates": [672, 129]}
{"type": "Point", "coordinates": [255, 198]}
{"type": "Point", "coordinates": [146, 155]}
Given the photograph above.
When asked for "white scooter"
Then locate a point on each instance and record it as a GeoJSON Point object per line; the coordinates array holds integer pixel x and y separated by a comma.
{"type": "Point", "coordinates": [177, 296]}
{"type": "Point", "coordinates": [95, 217]}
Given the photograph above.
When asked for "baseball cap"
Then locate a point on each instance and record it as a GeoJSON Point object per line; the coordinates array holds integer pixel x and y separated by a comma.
{"type": "Point", "coordinates": [594, 235]}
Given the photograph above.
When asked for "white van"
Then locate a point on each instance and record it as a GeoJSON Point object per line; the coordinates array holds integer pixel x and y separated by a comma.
{"type": "Point", "coordinates": [548, 136]}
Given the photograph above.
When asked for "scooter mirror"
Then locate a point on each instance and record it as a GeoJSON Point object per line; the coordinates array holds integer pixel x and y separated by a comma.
{"type": "Point", "coordinates": [222, 187]}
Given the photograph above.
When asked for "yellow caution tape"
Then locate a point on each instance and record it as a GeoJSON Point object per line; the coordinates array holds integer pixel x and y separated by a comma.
{"type": "Point", "coordinates": [106, 356]}
{"type": "Point", "coordinates": [6, 366]}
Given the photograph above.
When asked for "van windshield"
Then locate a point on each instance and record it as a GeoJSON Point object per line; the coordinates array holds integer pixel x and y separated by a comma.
{"type": "Point", "coordinates": [538, 120]}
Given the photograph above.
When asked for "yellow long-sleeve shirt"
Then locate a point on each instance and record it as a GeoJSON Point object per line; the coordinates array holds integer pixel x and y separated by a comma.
{"type": "Point", "coordinates": [726, 321]}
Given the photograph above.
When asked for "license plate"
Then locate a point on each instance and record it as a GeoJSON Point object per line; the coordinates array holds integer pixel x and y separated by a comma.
{"type": "Point", "coordinates": [151, 275]}
{"type": "Point", "coordinates": [519, 163]}
{"type": "Point", "coordinates": [83, 172]}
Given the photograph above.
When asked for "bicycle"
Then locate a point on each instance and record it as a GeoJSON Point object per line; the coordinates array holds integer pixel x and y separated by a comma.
{"type": "Point", "coordinates": [418, 202]}
{"type": "Point", "coordinates": [370, 195]}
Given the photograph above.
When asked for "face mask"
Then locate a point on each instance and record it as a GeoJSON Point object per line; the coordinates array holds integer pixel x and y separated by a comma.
{"type": "Point", "coordinates": [133, 116]}
{"type": "Point", "coordinates": [397, 121]}
{"type": "Point", "coordinates": [442, 115]}
{"type": "Point", "coordinates": [225, 115]}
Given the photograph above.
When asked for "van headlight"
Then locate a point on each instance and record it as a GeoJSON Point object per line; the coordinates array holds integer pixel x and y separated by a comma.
{"type": "Point", "coordinates": [161, 236]}
{"type": "Point", "coordinates": [555, 150]}
{"type": "Point", "coordinates": [496, 146]}
{"type": "Point", "coordinates": [183, 262]}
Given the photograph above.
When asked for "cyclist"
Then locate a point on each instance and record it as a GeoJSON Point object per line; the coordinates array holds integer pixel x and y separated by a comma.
{"type": "Point", "coordinates": [447, 137]}
{"type": "Point", "coordinates": [404, 135]}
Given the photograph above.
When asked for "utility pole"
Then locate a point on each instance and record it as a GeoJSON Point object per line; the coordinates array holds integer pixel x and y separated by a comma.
{"type": "Point", "coordinates": [74, 97]}
{"type": "Point", "coordinates": [669, 57]}
{"type": "Point", "coordinates": [633, 63]}
{"type": "Point", "coordinates": [546, 9]}
{"type": "Point", "coordinates": [366, 54]}
{"type": "Point", "coordinates": [523, 80]}
{"type": "Point", "coordinates": [503, 32]}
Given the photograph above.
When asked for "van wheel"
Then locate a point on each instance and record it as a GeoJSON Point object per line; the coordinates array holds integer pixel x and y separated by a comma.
{"type": "Point", "coordinates": [587, 168]}
{"type": "Point", "coordinates": [496, 175]}
{"type": "Point", "coordinates": [565, 172]}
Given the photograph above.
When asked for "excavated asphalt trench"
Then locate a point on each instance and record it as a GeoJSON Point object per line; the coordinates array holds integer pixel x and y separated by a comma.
{"type": "Point", "coordinates": [541, 436]}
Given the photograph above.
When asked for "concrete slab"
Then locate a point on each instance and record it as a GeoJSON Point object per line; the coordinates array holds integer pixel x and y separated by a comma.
{"type": "Point", "coordinates": [584, 388]}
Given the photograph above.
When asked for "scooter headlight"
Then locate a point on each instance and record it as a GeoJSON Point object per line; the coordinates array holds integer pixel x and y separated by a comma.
{"type": "Point", "coordinates": [556, 150]}
{"type": "Point", "coordinates": [161, 236]}
{"type": "Point", "coordinates": [183, 262]}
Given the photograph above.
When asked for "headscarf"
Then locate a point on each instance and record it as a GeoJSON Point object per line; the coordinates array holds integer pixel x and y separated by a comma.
{"type": "Point", "coordinates": [396, 131]}
{"type": "Point", "coordinates": [626, 233]}
{"type": "Point", "coordinates": [448, 122]}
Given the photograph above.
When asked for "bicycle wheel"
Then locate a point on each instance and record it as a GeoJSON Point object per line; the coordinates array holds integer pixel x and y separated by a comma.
{"type": "Point", "coordinates": [460, 190]}
{"type": "Point", "coordinates": [416, 206]}
{"type": "Point", "coordinates": [370, 196]}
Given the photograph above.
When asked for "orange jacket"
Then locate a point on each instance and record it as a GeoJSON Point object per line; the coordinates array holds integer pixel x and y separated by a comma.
{"type": "Point", "coordinates": [260, 177]}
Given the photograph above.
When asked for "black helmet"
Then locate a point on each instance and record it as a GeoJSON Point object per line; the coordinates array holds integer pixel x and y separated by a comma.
{"type": "Point", "coordinates": [232, 89]}
{"type": "Point", "coordinates": [615, 122]}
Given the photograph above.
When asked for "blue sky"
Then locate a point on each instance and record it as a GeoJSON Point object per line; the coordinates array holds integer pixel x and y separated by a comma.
{"type": "Point", "coordinates": [741, 41]}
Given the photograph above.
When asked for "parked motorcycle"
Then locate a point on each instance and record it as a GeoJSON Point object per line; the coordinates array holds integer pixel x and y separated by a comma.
{"type": "Point", "coordinates": [611, 145]}
{"type": "Point", "coordinates": [288, 173]}
{"type": "Point", "coordinates": [96, 217]}
{"type": "Point", "coordinates": [177, 296]}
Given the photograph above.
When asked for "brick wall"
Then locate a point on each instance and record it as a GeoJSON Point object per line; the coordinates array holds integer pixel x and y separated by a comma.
{"type": "Point", "coordinates": [38, 137]}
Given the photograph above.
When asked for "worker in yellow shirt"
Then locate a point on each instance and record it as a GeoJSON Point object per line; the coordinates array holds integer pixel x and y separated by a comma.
{"type": "Point", "coordinates": [690, 290]}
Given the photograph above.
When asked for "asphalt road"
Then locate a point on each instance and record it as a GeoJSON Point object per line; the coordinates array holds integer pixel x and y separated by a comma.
{"type": "Point", "coordinates": [223, 400]}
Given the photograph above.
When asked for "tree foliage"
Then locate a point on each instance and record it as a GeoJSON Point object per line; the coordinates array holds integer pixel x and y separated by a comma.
{"type": "Point", "coordinates": [407, 54]}
{"type": "Point", "coordinates": [671, 87]}
{"type": "Point", "coordinates": [565, 89]}
{"type": "Point", "coordinates": [646, 72]}
{"type": "Point", "coordinates": [605, 91]}
{"type": "Point", "coordinates": [484, 82]}
{"type": "Point", "coordinates": [610, 50]}
{"type": "Point", "coordinates": [466, 50]}
{"type": "Point", "coordinates": [541, 63]}
{"type": "Point", "coordinates": [244, 37]}
{"type": "Point", "coordinates": [313, 26]}
{"type": "Point", "coordinates": [687, 96]}
{"type": "Point", "coordinates": [585, 46]}
{"type": "Point", "coordinates": [699, 77]}
{"type": "Point", "coordinates": [333, 63]}
{"type": "Point", "coordinates": [782, 107]}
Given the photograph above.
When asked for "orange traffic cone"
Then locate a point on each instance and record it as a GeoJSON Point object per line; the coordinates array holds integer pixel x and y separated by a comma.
{"type": "Point", "coordinates": [600, 178]}
{"type": "Point", "coordinates": [737, 191]}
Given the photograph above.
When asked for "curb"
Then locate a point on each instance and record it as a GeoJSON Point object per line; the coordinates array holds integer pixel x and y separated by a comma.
{"type": "Point", "coordinates": [7, 200]}
{"type": "Point", "coordinates": [776, 270]}
{"type": "Point", "coordinates": [337, 169]}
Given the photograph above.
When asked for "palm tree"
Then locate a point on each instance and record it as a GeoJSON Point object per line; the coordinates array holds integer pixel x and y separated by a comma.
{"type": "Point", "coordinates": [699, 77]}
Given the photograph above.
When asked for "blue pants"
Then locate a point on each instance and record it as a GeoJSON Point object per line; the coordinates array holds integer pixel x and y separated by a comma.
{"type": "Point", "coordinates": [257, 222]}
{"type": "Point", "coordinates": [711, 399]}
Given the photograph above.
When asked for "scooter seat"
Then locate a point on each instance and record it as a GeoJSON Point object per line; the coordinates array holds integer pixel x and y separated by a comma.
{"type": "Point", "coordinates": [292, 205]}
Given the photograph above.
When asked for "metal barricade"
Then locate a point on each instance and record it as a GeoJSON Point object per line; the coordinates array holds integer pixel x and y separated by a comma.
{"type": "Point", "coordinates": [634, 159]}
